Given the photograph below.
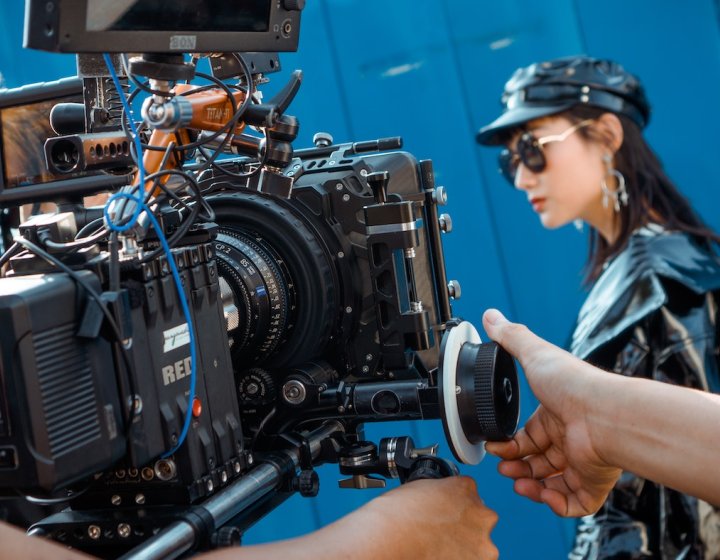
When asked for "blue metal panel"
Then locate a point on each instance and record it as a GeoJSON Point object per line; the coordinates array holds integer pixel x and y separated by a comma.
{"type": "Point", "coordinates": [491, 40]}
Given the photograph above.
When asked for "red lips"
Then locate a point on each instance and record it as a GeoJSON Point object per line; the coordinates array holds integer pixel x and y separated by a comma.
{"type": "Point", "coordinates": [538, 203]}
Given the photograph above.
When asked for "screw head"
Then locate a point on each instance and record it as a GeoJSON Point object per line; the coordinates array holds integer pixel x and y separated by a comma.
{"type": "Point", "coordinates": [123, 530]}
{"type": "Point", "coordinates": [440, 196]}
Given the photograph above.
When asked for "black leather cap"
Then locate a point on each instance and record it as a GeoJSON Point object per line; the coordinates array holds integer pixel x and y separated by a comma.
{"type": "Point", "coordinates": [548, 88]}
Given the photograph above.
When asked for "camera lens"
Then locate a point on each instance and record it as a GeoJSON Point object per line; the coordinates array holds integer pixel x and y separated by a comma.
{"type": "Point", "coordinates": [255, 280]}
{"type": "Point", "coordinates": [278, 285]}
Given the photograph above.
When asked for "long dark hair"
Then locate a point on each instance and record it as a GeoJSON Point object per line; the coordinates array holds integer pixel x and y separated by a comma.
{"type": "Point", "coordinates": [652, 196]}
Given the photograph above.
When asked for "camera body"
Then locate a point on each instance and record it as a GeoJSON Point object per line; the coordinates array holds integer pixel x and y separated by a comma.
{"type": "Point", "coordinates": [75, 407]}
{"type": "Point", "coordinates": [276, 286]}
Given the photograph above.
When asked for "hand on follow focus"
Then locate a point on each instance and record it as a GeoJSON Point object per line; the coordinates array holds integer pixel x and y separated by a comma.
{"type": "Point", "coordinates": [552, 458]}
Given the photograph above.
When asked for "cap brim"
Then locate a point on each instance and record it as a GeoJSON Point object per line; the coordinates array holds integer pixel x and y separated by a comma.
{"type": "Point", "coordinates": [489, 135]}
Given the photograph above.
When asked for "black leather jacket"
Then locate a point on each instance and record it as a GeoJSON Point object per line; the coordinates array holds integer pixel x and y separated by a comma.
{"type": "Point", "coordinates": [653, 313]}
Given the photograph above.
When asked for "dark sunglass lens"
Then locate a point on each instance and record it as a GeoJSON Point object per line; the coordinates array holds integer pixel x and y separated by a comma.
{"type": "Point", "coordinates": [531, 154]}
{"type": "Point", "coordinates": [508, 166]}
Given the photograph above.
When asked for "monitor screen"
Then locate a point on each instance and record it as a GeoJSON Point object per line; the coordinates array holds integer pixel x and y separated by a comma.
{"type": "Point", "coordinates": [163, 26]}
{"type": "Point", "coordinates": [178, 15]}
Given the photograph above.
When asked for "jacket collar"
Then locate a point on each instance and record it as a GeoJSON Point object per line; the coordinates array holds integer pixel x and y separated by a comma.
{"type": "Point", "coordinates": [631, 286]}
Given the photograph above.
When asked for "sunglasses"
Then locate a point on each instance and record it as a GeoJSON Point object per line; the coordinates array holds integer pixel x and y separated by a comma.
{"type": "Point", "coordinates": [529, 150]}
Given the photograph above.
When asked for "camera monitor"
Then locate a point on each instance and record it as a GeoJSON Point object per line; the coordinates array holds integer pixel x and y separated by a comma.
{"type": "Point", "coordinates": [163, 26]}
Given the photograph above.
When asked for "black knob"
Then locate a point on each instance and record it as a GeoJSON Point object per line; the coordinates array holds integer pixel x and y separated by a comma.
{"type": "Point", "coordinates": [378, 182]}
{"type": "Point", "coordinates": [322, 139]}
{"type": "Point", "coordinates": [160, 66]}
{"type": "Point", "coordinates": [431, 467]}
{"type": "Point", "coordinates": [256, 387]}
{"type": "Point", "coordinates": [227, 536]}
{"type": "Point", "coordinates": [68, 118]}
{"type": "Point", "coordinates": [294, 5]}
{"type": "Point", "coordinates": [489, 398]}
{"type": "Point", "coordinates": [307, 483]}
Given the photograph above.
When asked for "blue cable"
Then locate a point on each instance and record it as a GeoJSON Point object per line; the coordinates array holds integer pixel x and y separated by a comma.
{"type": "Point", "coordinates": [138, 151]}
{"type": "Point", "coordinates": [141, 206]}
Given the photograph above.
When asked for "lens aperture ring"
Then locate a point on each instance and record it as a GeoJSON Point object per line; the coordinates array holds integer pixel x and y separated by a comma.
{"type": "Point", "coordinates": [254, 274]}
{"type": "Point", "coordinates": [272, 295]}
{"type": "Point", "coordinates": [236, 279]}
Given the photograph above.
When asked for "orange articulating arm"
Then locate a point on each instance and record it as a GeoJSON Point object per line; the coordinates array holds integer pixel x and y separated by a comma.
{"type": "Point", "coordinates": [211, 111]}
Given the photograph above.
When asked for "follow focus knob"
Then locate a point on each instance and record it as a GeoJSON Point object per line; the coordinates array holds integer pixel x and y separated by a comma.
{"type": "Point", "coordinates": [488, 399]}
{"type": "Point", "coordinates": [479, 392]}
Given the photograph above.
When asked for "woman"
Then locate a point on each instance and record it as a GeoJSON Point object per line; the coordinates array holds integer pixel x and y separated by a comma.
{"type": "Point", "coordinates": [572, 134]}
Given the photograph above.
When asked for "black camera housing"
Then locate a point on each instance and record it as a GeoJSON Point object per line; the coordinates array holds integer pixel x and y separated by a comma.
{"type": "Point", "coordinates": [346, 301]}
{"type": "Point", "coordinates": [57, 391]}
{"type": "Point", "coordinates": [74, 406]}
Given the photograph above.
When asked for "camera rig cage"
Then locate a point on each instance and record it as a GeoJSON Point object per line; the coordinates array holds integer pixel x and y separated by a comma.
{"type": "Point", "coordinates": [174, 364]}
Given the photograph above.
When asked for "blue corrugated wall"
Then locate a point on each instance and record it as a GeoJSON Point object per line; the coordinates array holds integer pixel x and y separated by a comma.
{"type": "Point", "coordinates": [431, 71]}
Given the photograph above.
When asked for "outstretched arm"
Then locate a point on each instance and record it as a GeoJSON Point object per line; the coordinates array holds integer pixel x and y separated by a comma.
{"type": "Point", "coordinates": [424, 519]}
{"type": "Point", "coordinates": [591, 424]}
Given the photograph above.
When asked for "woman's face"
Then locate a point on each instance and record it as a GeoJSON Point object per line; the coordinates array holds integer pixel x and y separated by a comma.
{"type": "Point", "coordinates": [568, 188]}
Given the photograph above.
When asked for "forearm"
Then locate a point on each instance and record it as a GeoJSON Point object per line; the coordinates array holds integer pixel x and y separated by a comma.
{"type": "Point", "coordinates": [17, 544]}
{"type": "Point", "coordinates": [421, 520]}
{"type": "Point", "coordinates": [662, 432]}
{"type": "Point", "coordinates": [355, 537]}
{"type": "Point", "coordinates": [368, 532]}
{"type": "Point", "coordinates": [342, 539]}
